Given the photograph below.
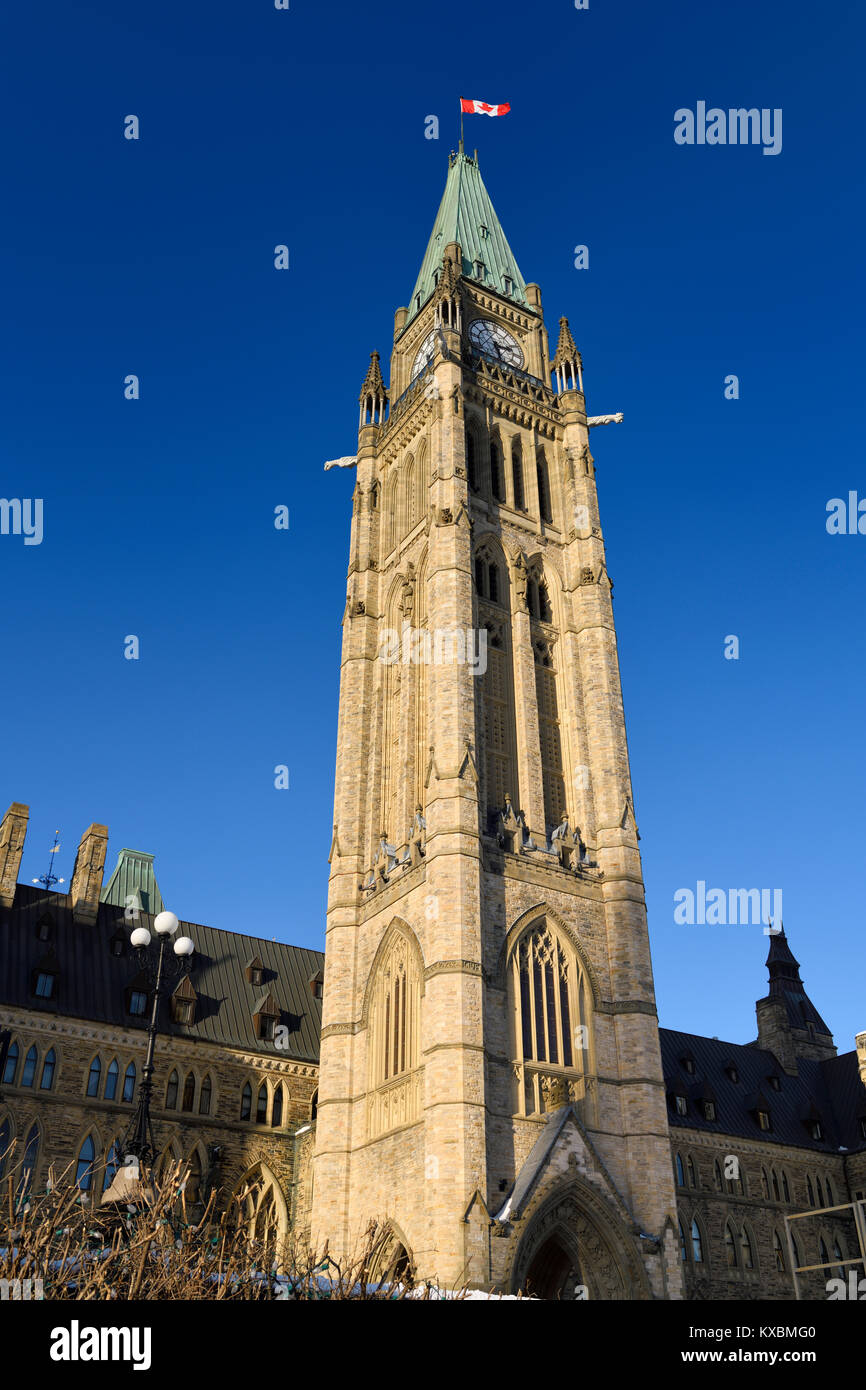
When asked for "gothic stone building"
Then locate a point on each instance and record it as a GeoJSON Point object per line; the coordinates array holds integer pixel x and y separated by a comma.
{"type": "Point", "coordinates": [492, 1080]}
{"type": "Point", "coordinates": [228, 1100]}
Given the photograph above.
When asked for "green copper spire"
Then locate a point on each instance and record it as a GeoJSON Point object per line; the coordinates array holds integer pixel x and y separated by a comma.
{"type": "Point", "coordinates": [466, 215]}
{"type": "Point", "coordinates": [133, 883]}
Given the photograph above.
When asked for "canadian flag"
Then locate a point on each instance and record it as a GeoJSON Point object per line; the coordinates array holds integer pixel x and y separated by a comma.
{"type": "Point", "coordinates": [483, 108]}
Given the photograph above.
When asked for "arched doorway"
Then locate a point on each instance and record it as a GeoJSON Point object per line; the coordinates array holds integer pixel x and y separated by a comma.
{"type": "Point", "coordinates": [554, 1272]}
{"type": "Point", "coordinates": [576, 1246]}
{"type": "Point", "coordinates": [258, 1205]}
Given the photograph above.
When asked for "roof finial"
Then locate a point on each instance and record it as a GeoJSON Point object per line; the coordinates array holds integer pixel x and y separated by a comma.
{"type": "Point", "coordinates": [48, 879]}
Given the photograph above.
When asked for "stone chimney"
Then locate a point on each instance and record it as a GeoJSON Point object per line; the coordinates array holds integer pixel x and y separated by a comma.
{"type": "Point", "coordinates": [86, 883]}
{"type": "Point", "coordinates": [13, 828]}
{"type": "Point", "coordinates": [861, 1055]}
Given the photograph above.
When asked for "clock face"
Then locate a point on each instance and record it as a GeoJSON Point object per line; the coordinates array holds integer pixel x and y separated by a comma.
{"type": "Point", "coordinates": [424, 355]}
{"type": "Point", "coordinates": [495, 342]}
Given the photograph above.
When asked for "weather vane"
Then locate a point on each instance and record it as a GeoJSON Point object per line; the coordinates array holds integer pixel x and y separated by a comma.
{"type": "Point", "coordinates": [48, 878]}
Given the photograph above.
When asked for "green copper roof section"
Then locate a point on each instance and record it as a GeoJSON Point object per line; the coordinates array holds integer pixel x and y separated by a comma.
{"type": "Point", "coordinates": [133, 883]}
{"type": "Point", "coordinates": [467, 215]}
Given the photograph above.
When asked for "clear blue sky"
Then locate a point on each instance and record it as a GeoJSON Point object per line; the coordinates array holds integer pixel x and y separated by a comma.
{"type": "Point", "coordinates": [155, 257]}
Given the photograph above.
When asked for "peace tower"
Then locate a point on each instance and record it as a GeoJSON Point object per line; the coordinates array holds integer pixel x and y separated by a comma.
{"type": "Point", "coordinates": [491, 1082]}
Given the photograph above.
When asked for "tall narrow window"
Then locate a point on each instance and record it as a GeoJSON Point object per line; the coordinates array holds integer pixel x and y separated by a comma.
{"type": "Point", "coordinates": [112, 1163]}
{"type": "Point", "coordinates": [246, 1101]}
{"type": "Point", "coordinates": [111, 1078]}
{"type": "Point", "coordinates": [776, 1196]}
{"type": "Point", "coordinates": [681, 1173]}
{"type": "Point", "coordinates": [730, 1248]}
{"type": "Point", "coordinates": [778, 1253]}
{"type": "Point", "coordinates": [683, 1246]}
{"type": "Point", "coordinates": [204, 1096]}
{"type": "Point", "coordinates": [262, 1106]}
{"type": "Point", "coordinates": [549, 733]}
{"type": "Point", "coordinates": [129, 1083]}
{"type": "Point", "coordinates": [496, 691]}
{"type": "Point", "coordinates": [809, 1192]}
{"type": "Point", "coordinates": [277, 1107]}
{"type": "Point", "coordinates": [746, 1255]}
{"type": "Point", "coordinates": [471, 461]}
{"type": "Point", "coordinates": [29, 1070]}
{"type": "Point", "coordinates": [697, 1243]}
{"type": "Point", "coordinates": [84, 1167]}
{"type": "Point", "coordinates": [693, 1179]}
{"type": "Point", "coordinates": [786, 1191]}
{"type": "Point", "coordinates": [93, 1077]}
{"type": "Point", "coordinates": [497, 477]}
{"type": "Point", "coordinates": [543, 487]}
{"type": "Point", "coordinates": [11, 1066]}
{"type": "Point", "coordinates": [171, 1091]}
{"type": "Point", "coordinates": [188, 1092]}
{"type": "Point", "coordinates": [48, 1068]}
{"type": "Point", "coordinates": [517, 475]}
{"type": "Point", "coordinates": [28, 1166]}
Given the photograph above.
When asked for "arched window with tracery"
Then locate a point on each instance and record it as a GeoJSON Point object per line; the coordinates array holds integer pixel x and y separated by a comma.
{"type": "Point", "coordinates": [552, 1017]}
{"type": "Point", "coordinates": [394, 1037]}
{"type": "Point", "coordinates": [49, 1065]}
{"type": "Point", "coordinates": [697, 1242]}
{"type": "Point", "coordinates": [277, 1106]}
{"type": "Point", "coordinates": [497, 470]}
{"type": "Point", "coordinates": [111, 1078]}
{"type": "Point", "coordinates": [29, 1069]}
{"type": "Point", "coordinates": [471, 460]}
{"type": "Point", "coordinates": [549, 729]}
{"type": "Point", "coordinates": [85, 1165]}
{"type": "Point", "coordinates": [11, 1065]}
{"type": "Point", "coordinates": [747, 1257]}
{"type": "Point", "coordinates": [246, 1101]}
{"type": "Point", "coordinates": [778, 1253]}
{"type": "Point", "coordinates": [730, 1248]}
{"type": "Point", "coordinates": [171, 1091]}
{"type": "Point", "coordinates": [543, 476]}
{"type": "Point", "coordinates": [204, 1096]}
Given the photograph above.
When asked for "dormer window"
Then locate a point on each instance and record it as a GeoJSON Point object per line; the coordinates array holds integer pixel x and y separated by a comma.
{"type": "Point", "coordinates": [732, 1073]}
{"type": "Point", "coordinates": [266, 1016]}
{"type": "Point", "coordinates": [255, 971]}
{"type": "Point", "coordinates": [816, 1129]}
{"type": "Point", "coordinates": [479, 270]}
{"type": "Point", "coordinates": [775, 1082]}
{"type": "Point", "coordinates": [763, 1118]}
{"type": "Point", "coordinates": [682, 1105]}
{"type": "Point", "coordinates": [44, 985]}
{"type": "Point", "coordinates": [44, 928]}
{"type": "Point", "coordinates": [316, 983]}
{"type": "Point", "coordinates": [484, 231]}
{"type": "Point", "coordinates": [508, 284]}
{"type": "Point", "coordinates": [267, 1024]}
{"type": "Point", "coordinates": [688, 1064]}
{"type": "Point", "coordinates": [709, 1109]}
{"type": "Point", "coordinates": [137, 1002]}
{"type": "Point", "coordinates": [417, 302]}
{"type": "Point", "coordinates": [183, 1002]}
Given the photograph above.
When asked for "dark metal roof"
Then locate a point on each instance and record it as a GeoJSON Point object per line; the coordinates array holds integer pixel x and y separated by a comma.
{"type": "Point", "coordinates": [92, 981]}
{"type": "Point", "coordinates": [832, 1089]}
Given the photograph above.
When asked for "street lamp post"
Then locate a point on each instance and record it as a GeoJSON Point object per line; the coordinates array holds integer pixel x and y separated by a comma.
{"type": "Point", "coordinates": [138, 1147]}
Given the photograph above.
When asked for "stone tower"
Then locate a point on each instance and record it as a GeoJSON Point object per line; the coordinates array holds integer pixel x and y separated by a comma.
{"type": "Point", "coordinates": [491, 1082]}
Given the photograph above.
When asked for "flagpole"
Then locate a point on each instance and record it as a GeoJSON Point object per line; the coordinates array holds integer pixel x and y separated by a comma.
{"type": "Point", "coordinates": [461, 125]}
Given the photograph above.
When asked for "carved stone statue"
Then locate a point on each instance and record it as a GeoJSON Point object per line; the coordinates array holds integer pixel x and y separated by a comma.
{"type": "Point", "coordinates": [407, 594]}
{"type": "Point", "coordinates": [417, 838]}
{"type": "Point", "coordinates": [520, 577]}
{"type": "Point", "coordinates": [605, 419]}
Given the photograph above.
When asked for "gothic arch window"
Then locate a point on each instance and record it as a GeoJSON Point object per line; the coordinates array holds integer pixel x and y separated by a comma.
{"type": "Point", "coordinates": [809, 1192]}
{"type": "Point", "coordinates": [839, 1254]}
{"type": "Point", "coordinates": [28, 1166]}
{"type": "Point", "coordinates": [49, 1066]}
{"type": "Point", "coordinates": [517, 474]}
{"type": "Point", "coordinates": [11, 1066]}
{"type": "Point", "coordinates": [766, 1183]}
{"type": "Point", "coordinates": [693, 1177]}
{"type": "Point", "coordinates": [681, 1172]}
{"type": "Point", "coordinates": [246, 1101]}
{"type": "Point", "coordinates": [259, 1207]}
{"type": "Point", "coordinates": [111, 1079]}
{"type": "Point", "coordinates": [495, 713]}
{"type": "Point", "coordinates": [191, 1184]}
{"type": "Point", "coordinates": [697, 1242]}
{"type": "Point", "coordinates": [551, 1014]}
{"type": "Point", "coordinates": [171, 1091]}
{"type": "Point", "coordinates": [262, 1105]}
{"type": "Point", "coordinates": [204, 1096]}
{"type": "Point", "coordinates": [779, 1254]}
{"type": "Point", "coordinates": [129, 1084]}
{"type": "Point", "coordinates": [717, 1173]}
{"type": "Point", "coordinates": [786, 1190]}
{"type": "Point", "coordinates": [747, 1256]}
{"type": "Point", "coordinates": [829, 1192]}
{"type": "Point", "coordinates": [543, 477]}
{"type": "Point", "coordinates": [549, 731]}
{"type": "Point", "coordinates": [188, 1101]}
{"type": "Point", "coordinates": [389, 515]}
{"type": "Point", "coordinates": [818, 1186]}
{"type": "Point", "coordinates": [822, 1252]}
{"type": "Point", "coordinates": [471, 459]}
{"type": "Point", "coordinates": [734, 1184]}
{"type": "Point", "coordinates": [112, 1163]}
{"type": "Point", "coordinates": [796, 1252]}
{"type": "Point", "coordinates": [421, 486]}
{"type": "Point", "coordinates": [775, 1177]}
{"type": "Point", "coordinates": [497, 470]}
{"type": "Point", "coordinates": [683, 1245]}
{"type": "Point", "coordinates": [29, 1069]}
{"type": "Point", "coordinates": [314, 1107]}
{"type": "Point", "coordinates": [730, 1248]}
{"type": "Point", "coordinates": [394, 1036]}
{"type": "Point", "coordinates": [94, 1075]}
{"type": "Point", "coordinates": [277, 1106]}
{"type": "Point", "coordinates": [85, 1165]}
